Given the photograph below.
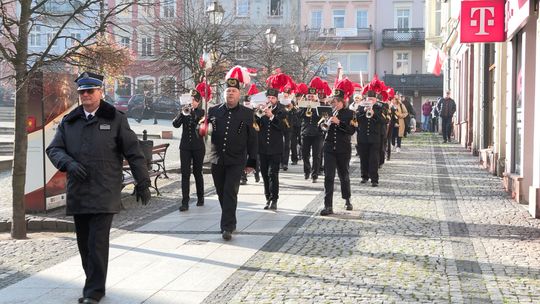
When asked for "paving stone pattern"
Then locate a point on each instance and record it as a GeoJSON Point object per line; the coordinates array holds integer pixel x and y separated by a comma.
{"type": "Point", "coordinates": [439, 229]}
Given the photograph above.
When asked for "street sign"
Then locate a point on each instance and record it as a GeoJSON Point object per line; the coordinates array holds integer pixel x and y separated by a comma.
{"type": "Point", "coordinates": [482, 21]}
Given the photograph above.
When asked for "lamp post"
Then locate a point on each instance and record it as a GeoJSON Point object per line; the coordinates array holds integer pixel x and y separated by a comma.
{"type": "Point", "coordinates": [294, 46]}
{"type": "Point", "coordinates": [271, 36]}
{"type": "Point", "coordinates": [215, 13]}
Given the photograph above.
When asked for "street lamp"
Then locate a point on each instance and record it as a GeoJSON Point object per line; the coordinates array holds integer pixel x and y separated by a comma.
{"type": "Point", "coordinates": [215, 12]}
{"type": "Point", "coordinates": [271, 35]}
{"type": "Point", "coordinates": [294, 46]}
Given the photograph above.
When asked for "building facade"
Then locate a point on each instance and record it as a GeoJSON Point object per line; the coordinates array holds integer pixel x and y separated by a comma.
{"type": "Point", "coordinates": [494, 85]}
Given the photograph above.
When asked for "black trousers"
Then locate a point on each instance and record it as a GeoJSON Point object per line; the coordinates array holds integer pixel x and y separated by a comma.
{"type": "Point", "coordinates": [311, 144]}
{"type": "Point", "coordinates": [333, 161]}
{"type": "Point", "coordinates": [295, 141]}
{"type": "Point", "coordinates": [270, 175]}
{"type": "Point", "coordinates": [227, 182]}
{"type": "Point", "coordinates": [187, 157]}
{"type": "Point", "coordinates": [369, 161]}
{"type": "Point", "coordinates": [446, 127]}
{"type": "Point", "coordinates": [321, 154]}
{"type": "Point", "coordinates": [286, 147]}
{"type": "Point", "coordinates": [93, 241]}
{"type": "Point", "coordinates": [395, 135]}
{"type": "Point", "coordinates": [382, 147]}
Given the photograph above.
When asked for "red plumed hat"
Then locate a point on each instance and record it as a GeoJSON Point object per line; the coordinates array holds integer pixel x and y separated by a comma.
{"type": "Point", "coordinates": [252, 90]}
{"type": "Point", "coordinates": [315, 85]}
{"type": "Point", "coordinates": [236, 76]}
{"type": "Point", "coordinates": [301, 89]}
{"type": "Point", "coordinates": [376, 86]}
{"type": "Point", "coordinates": [344, 89]}
{"type": "Point", "coordinates": [326, 90]}
{"type": "Point", "coordinates": [204, 90]}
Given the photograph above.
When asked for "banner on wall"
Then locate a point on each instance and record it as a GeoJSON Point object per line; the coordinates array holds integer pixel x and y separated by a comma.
{"type": "Point", "coordinates": [517, 14]}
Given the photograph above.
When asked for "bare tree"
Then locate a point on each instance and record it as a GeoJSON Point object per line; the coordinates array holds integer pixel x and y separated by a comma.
{"type": "Point", "coordinates": [195, 36]}
{"type": "Point", "coordinates": [59, 17]}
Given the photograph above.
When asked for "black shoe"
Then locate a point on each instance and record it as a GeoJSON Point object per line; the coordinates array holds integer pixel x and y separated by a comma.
{"type": "Point", "coordinates": [363, 181]}
{"type": "Point", "coordinates": [89, 301]}
{"type": "Point", "coordinates": [327, 211]}
{"type": "Point", "coordinates": [80, 300]}
{"type": "Point", "coordinates": [306, 176]}
{"type": "Point", "coordinates": [348, 205]}
{"type": "Point", "coordinates": [155, 122]}
{"type": "Point", "coordinates": [226, 235]}
{"type": "Point", "coordinates": [285, 168]}
{"type": "Point", "coordinates": [374, 184]}
{"type": "Point", "coordinates": [200, 202]}
{"type": "Point", "coordinates": [273, 206]}
{"type": "Point", "coordinates": [444, 141]}
{"type": "Point", "coordinates": [183, 207]}
{"type": "Point", "coordinates": [294, 163]}
{"type": "Point", "coordinates": [314, 180]}
{"type": "Point", "coordinates": [267, 205]}
{"type": "Point", "coordinates": [243, 182]}
{"type": "Point", "coordinates": [257, 178]}
{"type": "Point", "coordinates": [138, 121]}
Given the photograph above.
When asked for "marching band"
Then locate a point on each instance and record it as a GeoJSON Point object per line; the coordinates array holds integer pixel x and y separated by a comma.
{"type": "Point", "coordinates": [287, 118]}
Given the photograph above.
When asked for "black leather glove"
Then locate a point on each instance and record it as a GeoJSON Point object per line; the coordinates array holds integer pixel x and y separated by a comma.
{"type": "Point", "coordinates": [143, 193]}
{"type": "Point", "coordinates": [77, 171]}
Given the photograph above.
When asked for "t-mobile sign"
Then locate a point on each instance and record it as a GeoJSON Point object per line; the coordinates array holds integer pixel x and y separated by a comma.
{"type": "Point", "coordinates": [482, 21]}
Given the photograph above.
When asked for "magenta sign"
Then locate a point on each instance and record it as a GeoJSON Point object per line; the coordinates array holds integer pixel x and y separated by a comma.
{"type": "Point", "coordinates": [516, 14]}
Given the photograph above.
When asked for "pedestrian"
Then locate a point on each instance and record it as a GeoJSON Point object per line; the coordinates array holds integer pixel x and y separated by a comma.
{"type": "Point", "coordinates": [370, 117]}
{"type": "Point", "coordinates": [192, 148]}
{"type": "Point", "coordinates": [337, 147]}
{"type": "Point", "coordinates": [398, 130]}
{"type": "Point", "coordinates": [90, 144]}
{"type": "Point", "coordinates": [411, 115]}
{"type": "Point", "coordinates": [426, 115]}
{"type": "Point", "coordinates": [435, 116]}
{"type": "Point", "coordinates": [233, 140]}
{"type": "Point", "coordinates": [272, 125]}
{"type": "Point", "coordinates": [446, 108]}
{"type": "Point", "coordinates": [148, 108]}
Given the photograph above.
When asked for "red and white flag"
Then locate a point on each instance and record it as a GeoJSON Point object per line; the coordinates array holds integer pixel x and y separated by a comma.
{"type": "Point", "coordinates": [436, 62]}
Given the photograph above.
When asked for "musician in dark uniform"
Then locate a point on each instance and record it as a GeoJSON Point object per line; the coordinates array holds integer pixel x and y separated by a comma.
{"type": "Point", "coordinates": [271, 126]}
{"type": "Point", "coordinates": [369, 138]}
{"type": "Point", "coordinates": [192, 148]}
{"type": "Point", "coordinates": [247, 103]}
{"type": "Point", "coordinates": [296, 126]}
{"type": "Point", "coordinates": [287, 129]}
{"type": "Point", "coordinates": [385, 110]}
{"type": "Point", "coordinates": [233, 141]}
{"type": "Point", "coordinates": [337, 149]}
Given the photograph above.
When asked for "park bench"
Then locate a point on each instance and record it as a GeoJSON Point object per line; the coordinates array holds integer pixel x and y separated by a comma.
{"type": "Point", "coordinates": [156, 166]}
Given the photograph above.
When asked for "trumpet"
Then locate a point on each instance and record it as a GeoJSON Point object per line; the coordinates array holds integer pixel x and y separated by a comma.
{"type": "Point", "coordinates": [354, 121]}
{"type": "Point", "coordinates": [369, 112]}
{"type": "Point", "coordinates": [260, 111]}
{"type": "Point", "coordinates": [325, 121]}
{"type": "Point", "coordinates": [309, 112]}
{"type": "Point", "coordinates": [186, 110]}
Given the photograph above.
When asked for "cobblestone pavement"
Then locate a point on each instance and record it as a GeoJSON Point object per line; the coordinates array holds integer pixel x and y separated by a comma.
{"type": "Point", "coordinates": [439, 229]}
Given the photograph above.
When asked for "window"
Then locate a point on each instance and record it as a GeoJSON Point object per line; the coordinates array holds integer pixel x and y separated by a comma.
{"type": "Point", "coordinates": [242, 8]}
{"type": "Point", "coordinates": [50, 37]}
{"type": "Point", "coordinates": [402, 62]}
{"type": "Point", "coordinates": [240, 48]}
{"type": "Point", "coordinates": [316, 19]}
{"type": "Point", "coordinates": [437, 18]}
{"type": "Point", "coordinates": [339, 18]}
{"type": "Point", "coordinates": [146, 46]}
{"type": "Point", "coordinates": [167, 86]}
{"type": "Point", "coordinates": [402, 18]}
{"type": "Point", "coordinates": [361, 19]}
{"type": "Point", "coordinates": [145, 85]}
{"type": "Point", "coordinates": [275, 8]}
{"type": "Point", "coordinates": [125, 6]}
{"type": "Point", "coordinates": [168, 44]}
{"type": "Point", "coordinates": [124, 41]}
{"type": "Point", "coordinates": [168, 8]}
{"type": "Point", "coordinates": [146, 8]}
{"type": "Point", "coordinates": [123, 87]}
{"type": "Point", "coordinates": [358, 62]}
{"type": "Point", "coordinates": [75, 38]}
{"type": "Point", "coordinates": [35, 36]}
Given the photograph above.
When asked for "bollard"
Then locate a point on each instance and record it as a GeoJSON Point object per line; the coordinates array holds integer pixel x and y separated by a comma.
{"type": "Point", "coordinates": [144, 135]}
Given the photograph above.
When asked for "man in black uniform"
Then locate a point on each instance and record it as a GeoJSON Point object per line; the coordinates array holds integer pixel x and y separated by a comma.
{"type": "Point", "coordinates": [192, 148]}
{"type": "Point", "coordinates": [233, 140]}
{"type": "Point", "coordinates": [311, 137]}
{"type": "Point", "coordinates": [287, 129]}
{"type": "Point", "coordinates": [90, 144]}
{"type": "Point", "coordinates": [271, 146]}
{"type": "Point", "coordinates": [369, 138]}
{"type": "Point", "coordinates": [337, 150]}
{"type": "Point", "coordinates": [296, 126]}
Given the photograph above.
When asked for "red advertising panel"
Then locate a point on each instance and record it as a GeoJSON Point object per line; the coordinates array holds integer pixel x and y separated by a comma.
{"type": "Point", "coordinates": [51, 96]}
{"type": "Point", "coordinates": [482, 21]}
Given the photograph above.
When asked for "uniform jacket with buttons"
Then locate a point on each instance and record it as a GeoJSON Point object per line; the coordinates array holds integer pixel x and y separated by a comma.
{"type": "Point", "coordinates": [294, 119]}
{"type": "Point", "coordinates": [271, 131]}
{"type": "Point", "coordinates": [190, 136]}
{"type": "Point", "coordinates": [338, 136]}
{"type": "Point", "coordinates": [369, 129]}
{"type": "Point", "coordinates": [233, 138]}
{"type": "Point", "coordinates": [310, 125]}
{"type": "Point", "coordinates": [99, 145]}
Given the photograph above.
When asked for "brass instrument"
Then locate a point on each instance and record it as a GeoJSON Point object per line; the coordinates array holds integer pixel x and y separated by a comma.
{"type": "Point", "coordinates": [354, 121]}
{"type": "Point", "coordinates": [261, 109]}
{"type": "Point", "coordinates": [286, 122]}
{"type": "Point", "coordinates": [325, 121]}
{"type": "Point", "coordinates": [369, 112]}
{"type": "Point", "coordinates": [186, 110]}
{"type": "Point", "coordinates": [309, 111]}
{"type": "Point", "coordinates": [256, 125]}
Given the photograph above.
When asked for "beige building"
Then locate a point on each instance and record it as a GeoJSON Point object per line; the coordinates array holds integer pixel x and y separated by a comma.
{"type": "Point", "coordinates": [494, 85]}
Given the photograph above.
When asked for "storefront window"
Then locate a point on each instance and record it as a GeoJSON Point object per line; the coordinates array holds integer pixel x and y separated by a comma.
{"type": "Point", "coordinates": [518, 107]}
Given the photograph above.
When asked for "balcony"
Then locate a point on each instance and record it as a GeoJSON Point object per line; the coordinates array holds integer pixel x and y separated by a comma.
{"type": "Point", "coordinates": [403, 37]}
{"type": "Point", "coordinates": [352, 34]}
{"type": "Point", "coordinates": [423, 83]}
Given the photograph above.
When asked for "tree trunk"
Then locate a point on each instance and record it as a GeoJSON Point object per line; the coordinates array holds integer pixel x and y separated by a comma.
{"type": "Point", "coordinates": [18, 227]}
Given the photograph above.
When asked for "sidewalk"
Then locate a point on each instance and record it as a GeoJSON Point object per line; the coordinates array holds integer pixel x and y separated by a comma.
{"type": "Point", "coordinates": [438, 229]}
